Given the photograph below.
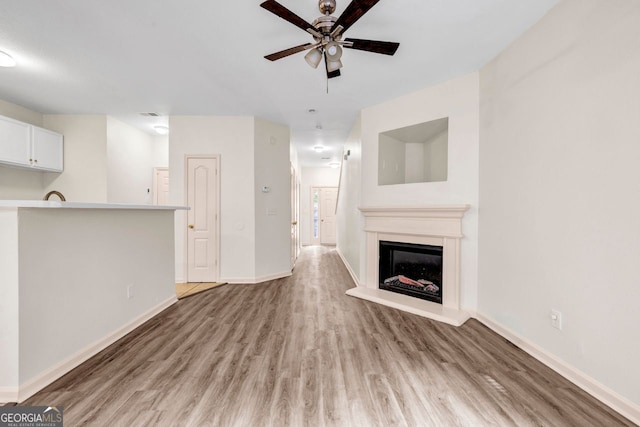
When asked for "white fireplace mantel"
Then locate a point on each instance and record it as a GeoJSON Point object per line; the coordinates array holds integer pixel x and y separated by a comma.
{"type": "Point", "coordinates": [438, 225]}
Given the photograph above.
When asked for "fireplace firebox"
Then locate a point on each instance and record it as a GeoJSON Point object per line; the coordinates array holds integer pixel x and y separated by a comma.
{"type": "Point", "coordinates": [411, 269]}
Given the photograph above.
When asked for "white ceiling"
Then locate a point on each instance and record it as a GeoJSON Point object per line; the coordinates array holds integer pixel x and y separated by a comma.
{"type": "Point", "coordinates": [197, 57]}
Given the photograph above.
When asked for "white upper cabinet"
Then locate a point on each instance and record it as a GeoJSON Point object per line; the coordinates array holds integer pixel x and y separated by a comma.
{"type": "Point", "coordinates": [15, 142]}
{"type": "Point", "coordinates": [46, 149]}
{"type": "Point", "coordinates": [28, 146]}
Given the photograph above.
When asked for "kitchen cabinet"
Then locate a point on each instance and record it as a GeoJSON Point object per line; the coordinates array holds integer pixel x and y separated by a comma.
{"type": "Point", "coordinates": [27, 146]}
{"type": "Point", "coordinates": [46, 149]}
{"type": "Point", "coordinates": [15, 142]}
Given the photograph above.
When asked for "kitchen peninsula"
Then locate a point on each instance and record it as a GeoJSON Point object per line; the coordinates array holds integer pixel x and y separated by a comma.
{"type": "Point", "coordinates": [74, 278]}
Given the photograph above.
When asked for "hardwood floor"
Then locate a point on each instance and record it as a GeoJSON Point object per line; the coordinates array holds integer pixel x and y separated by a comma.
{"type": "Point", "coordinates": [299, 352]}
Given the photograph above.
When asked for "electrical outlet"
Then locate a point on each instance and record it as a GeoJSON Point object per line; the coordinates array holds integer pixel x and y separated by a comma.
{"type": "Point", "coordinates": [130, 291]}
{"type": "Point", "coordinates": [556, 319]}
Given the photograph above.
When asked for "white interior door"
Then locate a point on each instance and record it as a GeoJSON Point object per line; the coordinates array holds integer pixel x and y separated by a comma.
{"type": "Point", "coordinates": [160, 186]}
{"type": "Point", "coordinates": [202, 226]}
{"type": "Point", "coordinates": [328, 200]}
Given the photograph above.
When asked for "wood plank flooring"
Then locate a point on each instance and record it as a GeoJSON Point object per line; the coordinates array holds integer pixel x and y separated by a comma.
{"type": "Point", "coordinates": [299, 352]}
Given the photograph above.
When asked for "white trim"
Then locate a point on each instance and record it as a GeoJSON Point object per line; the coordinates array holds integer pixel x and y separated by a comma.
{"type": "Point", "coordinates": [45, 378]}
{"type": "Point", "coordinates": [256, 280]}
{"type": "Point", "coordinates": [8, 394]}
{"type": "Point", "coordinates": [346, 264]}
{"type": "Point", "coordinates": [601, 392]}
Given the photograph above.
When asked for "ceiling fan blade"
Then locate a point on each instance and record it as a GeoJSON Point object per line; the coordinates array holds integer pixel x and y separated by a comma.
{"type": "Point", "coordinates": [290, 51]}
{"type": "Point", "coordinates": [375, 46]}
{"type": "Point", "coordinates": [353, 12]}
{"type": "Point", "coordinates": [284, 13]}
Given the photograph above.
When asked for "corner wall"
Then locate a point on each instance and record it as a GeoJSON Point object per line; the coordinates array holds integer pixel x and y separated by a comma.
{"type": "Point", "coordinates": [273, 208]}
{"type": "Point", "coordinates": [457, 99]}
{"type": "Point", "coordinates": [85, 157]}
{"type": "Point", "coordinates": [349, 220]}
{"type": "Point", "coordinates": [559, 186]}
{"type": "Point", "coordinates": [232, 139]}
{"type": "Point", "coordinates": [131, 158]}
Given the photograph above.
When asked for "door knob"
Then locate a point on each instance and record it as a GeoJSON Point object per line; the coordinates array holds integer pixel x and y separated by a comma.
{"type": "Point", "coordinates": [191, 226]}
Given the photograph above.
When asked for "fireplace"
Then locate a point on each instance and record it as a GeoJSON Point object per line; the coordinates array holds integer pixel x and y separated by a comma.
{"type": "Point", "coordinates": [426, 232]}
{"type": "Point", "coordinates": [411, 269]}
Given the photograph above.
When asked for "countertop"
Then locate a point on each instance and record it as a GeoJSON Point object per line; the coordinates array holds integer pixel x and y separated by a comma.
{"type": "Point", "coordinates": [55, 204]}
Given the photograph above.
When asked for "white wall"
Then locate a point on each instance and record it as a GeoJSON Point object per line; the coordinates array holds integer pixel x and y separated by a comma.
{"type": "Point", "coordinates": [9, 311]}
{"type": "Point", "coordinates": [435, 157]}
{"type": "Point", "coordinates": [131, 157]}
{"type": "Point", "coordinates": [20, 184]}
{"type": "Point", "coordinates": [349, 221]}
{"type": "Point", "coordinates": [85, 157]}
{"type": "Point", "coordinates": [458, 100]}
{"type": "Point", "coordinates": [272, 209]}
{"type": "Point", "coordinates": [160, 153]}
{"type": "Point", "coordinates": [414, 161]}
{"type": "Point", "coordinates": [73, 289]}
{"type": "Point", "coordinates": [231, 138]}
{"type": "Point", "coordinates": [313, 177]}
{"type": "Point", "coordinates": [391, 161]}
{"type": "Point", "coordinates": [559, 158]}
{"type": "Point", "coordinates": [18, 112]}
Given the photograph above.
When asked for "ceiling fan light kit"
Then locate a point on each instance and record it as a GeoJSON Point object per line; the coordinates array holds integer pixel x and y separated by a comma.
{"type": "Point", "coordinates": [314, 57]}
{"type": "Point", "coordinates": [333, 66]}
{"type": "Point", "coordinates": [334, 51]}
{"type": "Point", "coordinates": [327, 31]}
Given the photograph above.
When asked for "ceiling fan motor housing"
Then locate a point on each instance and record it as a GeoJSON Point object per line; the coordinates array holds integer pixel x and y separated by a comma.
{"type": "Point", "coordinates": [327, 7]}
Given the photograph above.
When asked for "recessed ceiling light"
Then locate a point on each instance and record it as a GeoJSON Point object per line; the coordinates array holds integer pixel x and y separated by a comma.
{"type": "Point", "coordinates": [161, 130]}
{"type": "Point", "coordinates": [6, 60]}
{"type": "Point", "coordinates": [334, 165]}
{"type": "Point", "coordinates": [319, 148]}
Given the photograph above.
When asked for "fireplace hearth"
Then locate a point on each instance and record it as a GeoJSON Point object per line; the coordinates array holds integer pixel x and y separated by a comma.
{"type": "Point", "coordinates": [411, 269]}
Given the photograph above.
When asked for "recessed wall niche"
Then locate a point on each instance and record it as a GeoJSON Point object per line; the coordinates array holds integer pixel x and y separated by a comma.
{"type": "Point", "coordinates": [417, 153]}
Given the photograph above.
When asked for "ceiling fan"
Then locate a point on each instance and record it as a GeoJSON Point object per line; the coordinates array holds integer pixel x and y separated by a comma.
{"type": "Point", "coordinates": [327, 32]}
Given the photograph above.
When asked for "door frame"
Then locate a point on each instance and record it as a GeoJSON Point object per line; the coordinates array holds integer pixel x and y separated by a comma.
{"type": "Point", "coordinates": [187, 157]}
{"type": "Point", "coordinates": [295, 220]}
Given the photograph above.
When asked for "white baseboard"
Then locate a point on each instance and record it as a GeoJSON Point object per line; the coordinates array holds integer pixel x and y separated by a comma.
{"type": "Point", "coordinates": [8, 394]}
{"type": "Point", "coordinates": [346, 264]}
{"type": "Point", "coordinates": [50, 375]}
{"type": "Point", "coordinates": [604, 394]}
{"type": "Point", "coordinates": [256, 280]}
